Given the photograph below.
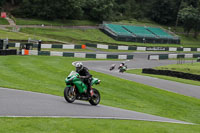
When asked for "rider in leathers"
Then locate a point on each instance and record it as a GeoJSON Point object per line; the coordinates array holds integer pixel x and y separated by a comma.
{"type": "Point", "coordinates": [84, 75]}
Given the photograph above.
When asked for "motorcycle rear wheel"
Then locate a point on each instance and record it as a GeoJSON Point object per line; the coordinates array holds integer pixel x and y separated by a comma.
{"type": "Point", "coordinates": [70, 96]}
{"type": "Point", "coordinates": [95, 99]}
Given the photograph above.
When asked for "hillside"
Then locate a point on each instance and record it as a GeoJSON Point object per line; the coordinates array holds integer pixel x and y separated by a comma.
{"type": "Point", "coordinates": [84, 32]}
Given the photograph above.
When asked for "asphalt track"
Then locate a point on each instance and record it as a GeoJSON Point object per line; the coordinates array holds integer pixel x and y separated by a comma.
{"type": "Point", "coordinates": [181, 88]}
{"type": "Point", "coordinates": [17, 103]}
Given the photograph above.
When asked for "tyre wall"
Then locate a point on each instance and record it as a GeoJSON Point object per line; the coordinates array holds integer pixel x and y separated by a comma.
{"type": "Point", "coordinates": [172, 73]}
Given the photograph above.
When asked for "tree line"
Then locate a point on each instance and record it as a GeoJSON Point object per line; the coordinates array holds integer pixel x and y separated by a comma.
{"type": "Point", "coordinates": [184, 12]}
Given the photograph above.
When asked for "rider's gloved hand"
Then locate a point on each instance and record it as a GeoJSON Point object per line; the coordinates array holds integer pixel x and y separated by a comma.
{"type": "Point", "coordinates": [82, 77]}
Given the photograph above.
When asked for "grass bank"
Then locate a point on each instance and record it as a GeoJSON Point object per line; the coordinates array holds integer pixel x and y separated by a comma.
{"type": "Point", "coordinates": [96, 36]}
{"type": "Point", "coordinates": [3, 21]}
{"type": "Point", "coordinates": [19, 36]}
{"type": "Point", "coordinates": [21, 21]}
{"type": "Point", "coordinates": [187, 68]}
{"type": "Point", "coordinates": [192, 68]}
{"type": "Point", "coordinates": [61, 125]}
{"type": "Point", "coordinates": [46, 74]}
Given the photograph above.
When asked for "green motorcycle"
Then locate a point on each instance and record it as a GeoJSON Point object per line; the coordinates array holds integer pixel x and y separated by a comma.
{"type": "Point", "coordinates": [76, 89]}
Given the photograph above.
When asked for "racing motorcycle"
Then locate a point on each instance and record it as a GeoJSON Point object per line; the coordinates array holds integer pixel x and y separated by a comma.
{"type": "Point", "coordinates": [76, 89]}
{"type": "Point", "coordinates": [112, 67]}
{"type": "Point", "coordinates": [122, 68]}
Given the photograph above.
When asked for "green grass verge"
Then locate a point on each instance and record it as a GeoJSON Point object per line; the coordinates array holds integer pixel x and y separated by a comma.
{"type": "Point", "coordinates": [70, 35]}
{"type": "Point", "coordinates": [19, 36]}
{"type": "Point", "coordinates": [93, 36]}
{"type": "Point", "coordinates": [21, 21]}
{"type": "Point", "coordinates": [96, 36]}
{"type": "Point", "coordinates": [68, 125]}
{"type": "Point", "coordinates": [186, 81]}
{"type": "Point", "coordinates": [192, 68]}
{"type": "Point", "coordinates": [46, 74]}
{"type": "Point", "coordinates": [3, 21]}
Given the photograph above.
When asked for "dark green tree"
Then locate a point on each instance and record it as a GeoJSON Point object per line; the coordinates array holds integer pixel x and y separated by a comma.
{"type": "Point", "coordinates": [99, 10]}
{"type": "Point", "coordinates": [163, 11]}
{"type": "Point", "coordinates": [2, 2]}
{"type": "Point", "coordinates": [190, 18]}
{"type": "Point", "coordinates": [193, 3]}
{"type": "Point", "coordinates": [51, 9]}
{"type": "Point", "coordinates": [128, 9]}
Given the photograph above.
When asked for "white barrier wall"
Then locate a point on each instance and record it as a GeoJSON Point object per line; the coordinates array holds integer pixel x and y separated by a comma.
{"type": "Point", "coordinates": [141, 48]}
{"type": "Point", "coordinates": [101, 56]}
{"type": "Point", "coordinates": [188, 55]}
{"type": "Point", "coordinates": [186, 49]}
{"type": "Point", "coordinates": [172, 56]}
{"type": "Point", "coordinates": [55, 53]}
{"type": "Point", "coordinates": [80, 55]}
{"type": "Point", "coordinates": [154, 57]}
{"type": "Point", "coordinates": [172, 49]}
{"type": "Point", "coordinates": [102, 46]}
{"type": "Point", "coordinates": [122, 47]}
{"type": "Point", "coordinates": [33, 52]}
{"type": "Point", "coordinates": [68, 46]}
{"type": "Point", "coordinates": [122, 57]}
{"type": "Point", "coordinates": [17, 45]}
{"type": "Point", "coordinates": [46, 45]}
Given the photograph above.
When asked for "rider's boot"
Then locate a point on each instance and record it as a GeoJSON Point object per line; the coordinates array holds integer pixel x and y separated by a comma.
{"type": "Point", "coordinates": [89, 91]}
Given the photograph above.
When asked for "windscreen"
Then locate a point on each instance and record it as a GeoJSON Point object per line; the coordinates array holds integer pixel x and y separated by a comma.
{"type": "Point", "coordinates": [72, 73]}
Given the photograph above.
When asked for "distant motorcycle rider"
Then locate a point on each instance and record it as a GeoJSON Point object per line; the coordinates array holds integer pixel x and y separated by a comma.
{"type": "Point", "coordinates": [85, 76]}
{"type": "Point", "coordinates": [122, 67]}
{"type": "Point", "coordinates": [112, 67]}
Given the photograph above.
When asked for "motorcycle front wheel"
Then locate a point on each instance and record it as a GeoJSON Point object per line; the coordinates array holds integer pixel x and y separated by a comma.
{"type": "Point", "coordinates": [69, 94]}
{"type": "Point", "coordinates": [95, 99]}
